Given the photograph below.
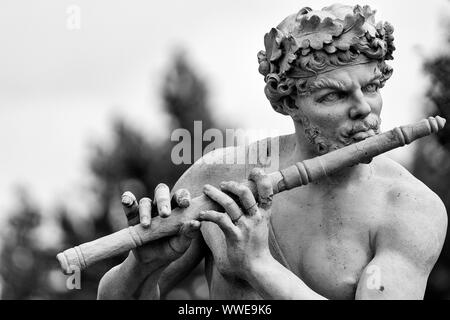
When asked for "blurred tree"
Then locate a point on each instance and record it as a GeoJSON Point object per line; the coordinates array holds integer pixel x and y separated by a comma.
{"type": "Point", "coordinates": [26, 257]}
{"type": "Point", "coordinates": [130, 162]}
{"type": "Point", "coordinates": [19, 259]}
{"type": "Point", "coordinates": [432, 163]}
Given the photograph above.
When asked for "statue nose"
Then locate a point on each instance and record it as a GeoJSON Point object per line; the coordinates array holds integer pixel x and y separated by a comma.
{"type": "Point", "coordinates": [360, 108]}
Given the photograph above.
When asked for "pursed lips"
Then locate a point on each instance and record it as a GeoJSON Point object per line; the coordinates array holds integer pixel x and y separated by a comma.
{"type": "Point", "coordinates": [361, 135]}
{"type": "Point", "coordinates": [358, 134]}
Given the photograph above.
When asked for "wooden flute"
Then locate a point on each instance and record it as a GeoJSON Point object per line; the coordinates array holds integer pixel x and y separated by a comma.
{"type": "Point", "coordinates": [301, 173]}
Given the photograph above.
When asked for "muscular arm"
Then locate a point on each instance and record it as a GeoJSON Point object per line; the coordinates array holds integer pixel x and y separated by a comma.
{"type": "Point", "coordinates": [407, 246]}
{"type": "Point", "coordinates": [273, 281]}
{"type": "Point", "coordinates": [181, 268]}
{"type": "Point", "coordinates": [125, 280]}
{"type": "Point", "coordinates": [134, 280]}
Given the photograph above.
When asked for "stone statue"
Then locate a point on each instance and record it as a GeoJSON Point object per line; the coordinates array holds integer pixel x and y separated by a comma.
{"type": "Point", "coordinates": [370, 231]}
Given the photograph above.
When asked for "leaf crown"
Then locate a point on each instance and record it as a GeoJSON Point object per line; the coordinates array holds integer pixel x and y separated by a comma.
{"type": "Point", "coordinates": [333, 31]}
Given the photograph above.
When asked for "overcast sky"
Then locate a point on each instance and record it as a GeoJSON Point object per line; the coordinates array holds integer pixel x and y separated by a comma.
{"type": "Point", "coordinates": [59, 88]}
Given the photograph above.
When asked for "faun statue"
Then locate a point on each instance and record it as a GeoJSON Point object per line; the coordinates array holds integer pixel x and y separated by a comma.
{"type": "Point", "coordinates": [369, 231]}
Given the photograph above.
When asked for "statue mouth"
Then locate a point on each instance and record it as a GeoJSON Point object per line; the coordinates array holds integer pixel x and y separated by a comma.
{"type": "Point", "coordinates": [358, 135]}
{"type": "Point", "coordinates": [362, 135]}
{"type": "Point", "coordinates": [361, 130]}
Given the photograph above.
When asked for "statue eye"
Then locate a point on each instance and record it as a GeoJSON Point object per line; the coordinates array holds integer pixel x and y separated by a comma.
{"type": "Point", "coordinates": [371, 88]}
{"type": "Point", "coordinates": [331, 97]}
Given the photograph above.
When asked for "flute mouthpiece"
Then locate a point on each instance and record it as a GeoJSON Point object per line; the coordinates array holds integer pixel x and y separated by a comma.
{"type": "Point", "coordinates": [440, 122]}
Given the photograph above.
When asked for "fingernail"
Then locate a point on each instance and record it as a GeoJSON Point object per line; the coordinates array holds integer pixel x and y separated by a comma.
{"type": "Point", "coordinates": [206, 187]}
{"type": "Point", "coordinates": [222, 184]}
{"type": "Point", "coordinates": [129, 194]}
{"type": "Point", "coordinates": [201, 214]}
{"type": "Point", "coordinates": [127, 200]}
{"type": "Point", "coordinates": [161, 185]}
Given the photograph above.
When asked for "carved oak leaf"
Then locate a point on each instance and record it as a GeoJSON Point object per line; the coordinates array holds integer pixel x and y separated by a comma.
{"type": "Point", "coordinates": [370, 29]}
{"type": "Point", "coordinates": [286, 62]}
{"type": "Point", "coordinates": [290, 48]}
{"type": "Point", "coordinates": [315, 33]}
{"type": "Point", "coordinates": [353, 29]}
{"type": "Point", "coordinates": [272, 41]}
{"type": "Point", "coordinates": [369, 16]}
{"type": "Point", "coordinates": [368, 13]}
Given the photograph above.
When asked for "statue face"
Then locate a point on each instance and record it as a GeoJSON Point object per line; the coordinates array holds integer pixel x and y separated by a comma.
{"type": "Point", "coordinates": [344, 107]}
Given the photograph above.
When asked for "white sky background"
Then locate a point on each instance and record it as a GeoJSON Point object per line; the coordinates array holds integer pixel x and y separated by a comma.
{"type": "Point", "coordinates": [60, 88]}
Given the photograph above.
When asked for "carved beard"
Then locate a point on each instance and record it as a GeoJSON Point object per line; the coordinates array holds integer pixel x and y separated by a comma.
{"type": "Point", "coordinates": [314, 136]}
{"type": "Point", "coordinates": [323, 144]}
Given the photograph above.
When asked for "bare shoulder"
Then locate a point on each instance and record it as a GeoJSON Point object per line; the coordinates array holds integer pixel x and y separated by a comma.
{"type": "Point", "coordinates": [214, 167]}
{"type": "Point", "coordinates": [234, 163]}
{"type": "Point", "coordinates": [403, 187]}
{"type": "Point", "coordinates": [416, 219]}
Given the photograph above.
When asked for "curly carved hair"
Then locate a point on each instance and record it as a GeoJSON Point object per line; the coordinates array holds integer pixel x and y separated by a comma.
{"type": "Point", "coordinates": [310, 42]}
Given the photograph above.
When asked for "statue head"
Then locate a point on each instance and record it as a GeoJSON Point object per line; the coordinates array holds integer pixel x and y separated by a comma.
{"type": "Point", "coordinates": [320, 49]}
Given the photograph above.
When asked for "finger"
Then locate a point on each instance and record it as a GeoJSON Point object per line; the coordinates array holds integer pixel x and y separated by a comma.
{"type": "Point", "coordinates": [162, 199]}
{"type": "Point", "coordinates": [222, 220]}
{"type": "Point", "coordinates": [264, 187]}
{"type": "Point", "coordinates": [243, 192]}
{"type": "Point", "coordinates": [130, 208]}
{"type": "Point", "coordinates": [224, 200]}
{"type": "Point", "coordinates": [188, 231]}
{"type": "Point", "coordinates": [181, 198]}
{"type": "Point", "coordinates": [145, 211]}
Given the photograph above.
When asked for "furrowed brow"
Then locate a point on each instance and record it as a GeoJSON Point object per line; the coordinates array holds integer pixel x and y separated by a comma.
{"type": "Point", "coordinates": [327, 83]}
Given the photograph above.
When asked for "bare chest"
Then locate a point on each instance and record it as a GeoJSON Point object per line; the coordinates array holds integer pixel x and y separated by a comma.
{"type": "Point", "coordinates": [325, 238]}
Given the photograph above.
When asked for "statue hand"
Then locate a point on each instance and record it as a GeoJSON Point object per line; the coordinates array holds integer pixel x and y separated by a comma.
{"type": "Point", "coordinates": [165, 250]}
{"type": "Point", "coordinates": [246, 230]}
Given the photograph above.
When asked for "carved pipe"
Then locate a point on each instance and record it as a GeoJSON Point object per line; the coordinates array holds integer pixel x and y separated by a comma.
{"type": "Point", "coordinates": [294, 176]}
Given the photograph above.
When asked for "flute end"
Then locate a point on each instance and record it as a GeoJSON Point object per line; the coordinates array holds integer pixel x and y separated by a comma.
{"type": "Point", "coordinates": [64, 263]}
{"type": "Point", "coordinates": [440, 121]}
{"type": "Point", "coordinates": [435, 124]}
